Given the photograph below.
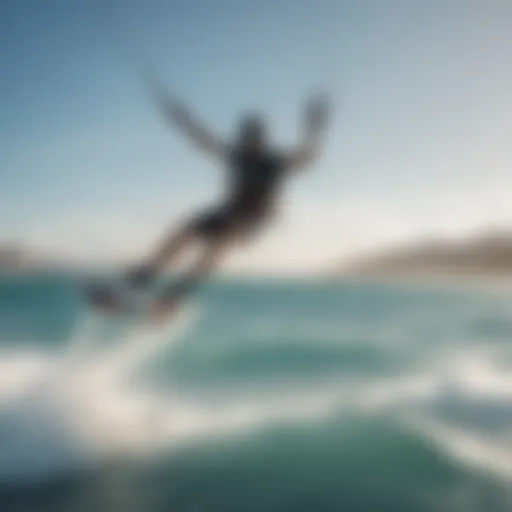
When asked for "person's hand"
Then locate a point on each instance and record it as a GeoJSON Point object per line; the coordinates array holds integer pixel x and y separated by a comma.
{"type": "Point", "coordinates": [317, 111]}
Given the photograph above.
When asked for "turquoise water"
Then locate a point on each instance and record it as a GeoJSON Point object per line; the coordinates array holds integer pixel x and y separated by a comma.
{"type": "Point", "coordinates": [263, 396]}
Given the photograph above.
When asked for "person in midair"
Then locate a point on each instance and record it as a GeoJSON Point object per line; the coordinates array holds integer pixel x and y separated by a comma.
{"type": "Point", "coordinates": [256, 173]}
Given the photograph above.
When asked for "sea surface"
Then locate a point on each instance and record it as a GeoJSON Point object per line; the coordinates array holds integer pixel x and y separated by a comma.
{"type": "Point", "coordinates": [262, 395]}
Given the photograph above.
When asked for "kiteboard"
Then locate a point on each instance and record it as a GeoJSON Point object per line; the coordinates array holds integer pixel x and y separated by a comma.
{"type": "Point", "coordinates": [117, 300]}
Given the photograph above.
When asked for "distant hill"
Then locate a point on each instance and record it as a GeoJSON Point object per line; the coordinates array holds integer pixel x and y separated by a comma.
{"type": "Point", "coordinates": [14, 258]}
{"type": "Point", "coordinates": [489, 254]}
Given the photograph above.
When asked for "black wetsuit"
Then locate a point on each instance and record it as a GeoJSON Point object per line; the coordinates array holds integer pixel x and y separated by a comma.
{"type": "Point", "coordinates": [254, 183]}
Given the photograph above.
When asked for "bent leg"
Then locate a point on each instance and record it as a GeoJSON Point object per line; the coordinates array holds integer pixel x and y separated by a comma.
{"type": "Point", "coordinates": [212, 224]}
{"type": "Point", "coordinates": [165, 254]}
{"type": "Point", "coordinates": [173, 296]}
{"type": "Point", "coordinates": [171, 247]}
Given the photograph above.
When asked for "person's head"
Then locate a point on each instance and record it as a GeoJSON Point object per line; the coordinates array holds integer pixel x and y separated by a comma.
{"type": "Point", "coordinates": [252, 132]}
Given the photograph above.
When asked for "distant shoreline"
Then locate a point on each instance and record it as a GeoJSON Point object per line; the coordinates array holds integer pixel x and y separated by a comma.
{"type": "Point", "coordinates": [433, 279]}
{"type": "Point", "coordinates": [419, 280]}
{"type": "Point", "coordinates": [479, 261]}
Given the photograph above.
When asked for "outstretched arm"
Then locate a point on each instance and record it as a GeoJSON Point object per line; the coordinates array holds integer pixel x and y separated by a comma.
{"type": "Point", "coordinates": [184, 120]}
{"type": "Point", "coordinates": [316, 118]}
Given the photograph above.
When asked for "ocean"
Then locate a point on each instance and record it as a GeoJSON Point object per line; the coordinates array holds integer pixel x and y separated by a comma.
{"type": "Point", "coordinates": [262, 395]}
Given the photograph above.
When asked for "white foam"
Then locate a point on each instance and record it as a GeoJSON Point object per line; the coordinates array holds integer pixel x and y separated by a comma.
{"type": "Point", "coordinates": [489, 455]}
{"type": "Point", "coordinates": [19, 371]}
{"type": "Point", "coordinates": [63, 411]}
{"type": "Point", "coordinates": [464, 404]}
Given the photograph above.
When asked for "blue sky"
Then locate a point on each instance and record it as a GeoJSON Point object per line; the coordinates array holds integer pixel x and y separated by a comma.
{"type": "Point", "coordinates": [419, 145]}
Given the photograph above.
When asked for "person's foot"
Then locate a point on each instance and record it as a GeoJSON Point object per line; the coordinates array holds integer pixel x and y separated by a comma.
{"type": "Point", "coordinates": [140, 277]}
{"type": "Point", "coordinates": [104, 298]}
